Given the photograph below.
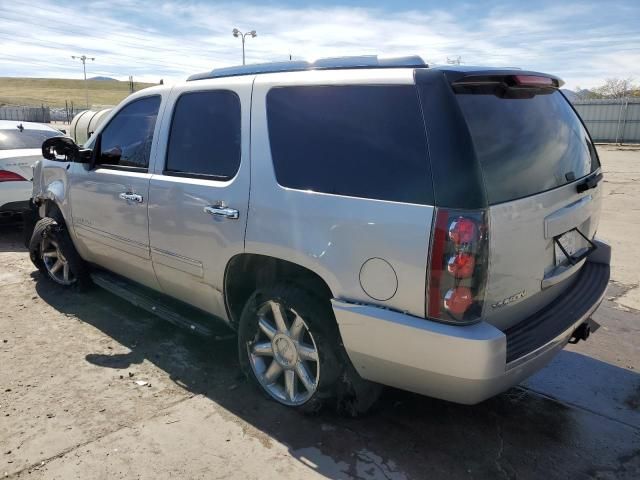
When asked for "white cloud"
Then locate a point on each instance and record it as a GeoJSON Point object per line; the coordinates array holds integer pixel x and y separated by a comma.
{"type": "Point", "coordinates": [173, 39]}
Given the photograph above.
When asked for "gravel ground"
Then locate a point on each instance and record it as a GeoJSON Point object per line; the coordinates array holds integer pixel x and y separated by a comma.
{"type": "Point", "coordinates": [70, 406]}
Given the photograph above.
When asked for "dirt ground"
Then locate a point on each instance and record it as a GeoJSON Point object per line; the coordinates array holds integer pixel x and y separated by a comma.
{"type": "Point", "coordinates": [70, 407]}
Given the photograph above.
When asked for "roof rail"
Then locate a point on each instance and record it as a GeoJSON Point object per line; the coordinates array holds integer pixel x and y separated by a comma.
{"type": "Point", "coordinates": [335, 63]}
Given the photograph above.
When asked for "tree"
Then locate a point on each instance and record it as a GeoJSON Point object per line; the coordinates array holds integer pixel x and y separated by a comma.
{"type": "Point", "coordinates": [616, 88]}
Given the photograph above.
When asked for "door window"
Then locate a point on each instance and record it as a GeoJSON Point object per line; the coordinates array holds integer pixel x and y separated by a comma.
{"type": "Point", "coordinates": [205, 135]}
{"type": "Point", "coordinates": [126, 140]}
{"type": "Point", "coordinates": [363, 141]}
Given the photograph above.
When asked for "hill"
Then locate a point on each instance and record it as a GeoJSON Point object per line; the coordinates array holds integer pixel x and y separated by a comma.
{"type": "Point", "coordinates": [54, 91]}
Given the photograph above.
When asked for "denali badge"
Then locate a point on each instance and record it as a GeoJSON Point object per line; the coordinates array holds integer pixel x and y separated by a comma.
{"type": "Point", "coordinates": [508, 300]}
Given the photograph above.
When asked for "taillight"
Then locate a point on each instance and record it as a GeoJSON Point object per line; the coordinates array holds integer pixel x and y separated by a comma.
{"type": "Point", "coordinates": [7, 176]}
{"type": "Point", "coordinates": [461, 265]}
{"type": "Point", "coordinates": [462, 230]}
{"type": "Point", "coordinates": [457, 266]}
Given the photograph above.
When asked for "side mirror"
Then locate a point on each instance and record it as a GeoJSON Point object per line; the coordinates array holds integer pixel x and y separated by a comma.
{"type": "Point", "coordinates": [56, 147]}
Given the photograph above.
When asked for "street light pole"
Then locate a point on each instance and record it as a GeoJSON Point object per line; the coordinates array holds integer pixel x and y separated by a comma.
{"type": "Point", "coordinates": [83, 59]}
{"type": "Point", "coordinates": [238, 33]}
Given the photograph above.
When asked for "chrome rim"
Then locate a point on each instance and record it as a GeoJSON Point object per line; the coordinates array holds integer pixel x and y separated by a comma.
{"type": "Point", "coordinates": [56, 264]}
{"type": "Point", "coordinates": [283, 355]}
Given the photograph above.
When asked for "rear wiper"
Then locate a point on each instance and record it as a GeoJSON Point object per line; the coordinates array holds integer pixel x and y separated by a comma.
{"type": "Point", "coordinates": [589, 183]}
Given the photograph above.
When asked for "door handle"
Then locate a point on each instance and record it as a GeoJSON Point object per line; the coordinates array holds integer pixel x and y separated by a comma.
{"type": "Point", "coordinates": [131, 197]}
{"type": "Point", "coordinates": [220, 209]}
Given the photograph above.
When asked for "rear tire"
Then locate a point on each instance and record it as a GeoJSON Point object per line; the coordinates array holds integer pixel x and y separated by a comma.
{"type": "Point", "coordinates": [53, 253]}
{"type": "Point", "coordinates": [299, 363]}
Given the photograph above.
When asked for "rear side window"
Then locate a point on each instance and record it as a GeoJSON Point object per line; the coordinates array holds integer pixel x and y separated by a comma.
{"type": "Point", "coordinates": [15, 139]}
{"type": "Point", "coordinates": [205, 135]}
{"type": "Point", "coordinates": [360, 141]}
{"type": "Point", "coordinates": [526, 145]}
{"type": "Point", "coordinates": [126, 140]}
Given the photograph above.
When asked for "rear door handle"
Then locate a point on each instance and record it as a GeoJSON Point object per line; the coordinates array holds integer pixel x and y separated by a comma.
{"type": "Point", "coordinates": [220, 209]}
{"type": "Point", "coordinates": [131, 197]}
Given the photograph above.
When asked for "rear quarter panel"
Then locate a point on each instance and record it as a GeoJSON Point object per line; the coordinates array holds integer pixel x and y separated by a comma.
{"type": "Point", "coordinates": [329, 234]}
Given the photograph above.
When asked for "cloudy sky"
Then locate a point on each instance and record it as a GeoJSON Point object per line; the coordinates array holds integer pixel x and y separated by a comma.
{"type": "Point", "coordinates": [582, 41]}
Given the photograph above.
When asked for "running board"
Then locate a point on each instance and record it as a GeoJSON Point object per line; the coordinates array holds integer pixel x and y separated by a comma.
{"type": "Point", "coordinates": [164, 307]}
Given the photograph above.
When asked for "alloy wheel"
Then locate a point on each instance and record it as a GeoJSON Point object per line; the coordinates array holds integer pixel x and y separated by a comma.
{"type": "Point", "coordinates": [284, 355]}
{"type": "Point", "coordinates": [55, 262]}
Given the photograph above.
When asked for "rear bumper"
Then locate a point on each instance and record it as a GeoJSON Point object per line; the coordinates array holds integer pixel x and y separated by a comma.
{"type": "Point", "coordinates": [465, 364]}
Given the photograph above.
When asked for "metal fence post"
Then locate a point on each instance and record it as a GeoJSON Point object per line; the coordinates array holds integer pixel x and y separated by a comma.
{"type": "Point", "coordinates": [624, 119]}
{"type": "Point", "coordinates": [619, 120]}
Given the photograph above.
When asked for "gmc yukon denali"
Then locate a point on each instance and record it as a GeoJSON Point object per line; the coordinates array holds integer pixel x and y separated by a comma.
{"type": "Point", "coordinates": [357, 222]}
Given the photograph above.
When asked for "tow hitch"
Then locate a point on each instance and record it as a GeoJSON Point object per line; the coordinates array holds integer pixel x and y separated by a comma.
{"type": "Point", "coordinates": [581, 333]}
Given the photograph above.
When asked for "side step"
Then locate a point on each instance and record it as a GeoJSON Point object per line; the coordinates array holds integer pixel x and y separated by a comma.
{"type": "Point", "coordinates": [164, 307]}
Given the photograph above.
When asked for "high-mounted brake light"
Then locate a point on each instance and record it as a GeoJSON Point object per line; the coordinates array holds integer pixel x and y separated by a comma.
{"type": "Point", "coordinates": [457, 266]}
{"type": "Point", "coordinates": [533, 81]}
{"type": "Point", "coordinates": [7, 176]}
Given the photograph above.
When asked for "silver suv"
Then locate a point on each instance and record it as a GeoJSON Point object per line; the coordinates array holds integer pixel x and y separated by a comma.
{"type": "Point", "coordinates": [356, 221]}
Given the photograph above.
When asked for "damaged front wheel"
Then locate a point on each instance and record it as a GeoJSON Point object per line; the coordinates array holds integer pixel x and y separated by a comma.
{"type": "Point", "coordinates": [52, 251]}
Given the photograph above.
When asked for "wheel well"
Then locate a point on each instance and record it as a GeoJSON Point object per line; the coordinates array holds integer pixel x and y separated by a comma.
{"type": "Point", "coordinates": [247, 272]}
{"type": "Point", "coordinates": [52, 210]}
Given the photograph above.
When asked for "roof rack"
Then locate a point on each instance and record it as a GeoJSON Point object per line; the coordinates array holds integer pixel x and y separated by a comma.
{"type": "Point", "coordinates": [335, 63]}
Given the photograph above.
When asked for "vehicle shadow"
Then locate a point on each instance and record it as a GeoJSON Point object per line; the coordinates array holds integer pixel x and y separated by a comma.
{"type": "Point", "coordinates": [11, 237]}
{"type": "Point", "coordinates": [517, 434]}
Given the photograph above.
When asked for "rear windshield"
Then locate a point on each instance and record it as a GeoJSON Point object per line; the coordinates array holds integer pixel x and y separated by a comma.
{"type": "Point", "coordinates": [527, 145]}
{"type": "Point", "coordinates": [15, 139]}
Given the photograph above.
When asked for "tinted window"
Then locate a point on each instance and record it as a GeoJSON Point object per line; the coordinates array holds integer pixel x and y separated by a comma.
{"type": "Point", "coordinates": [126, 140]}
{"type": "Point", "coordinates": [205, 134]}
{"type": "Point", "coordinates": [361, 141]}
{"type": "Point", "coordinates": [527, 145]}
{"type": "Point", "coordinates": [13, 139]}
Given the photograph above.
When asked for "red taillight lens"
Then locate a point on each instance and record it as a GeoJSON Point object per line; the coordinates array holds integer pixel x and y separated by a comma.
{"type": "Point", "coordinates": [7, 176]}
{"type": "Point", "coordinates": [457, 266]}
{"type": "Point", "coordinates": [461, 265]}
{"type": "Point", "coordinates": [458, 300]}
{"type": "Point", "coordinates": [462, 230]}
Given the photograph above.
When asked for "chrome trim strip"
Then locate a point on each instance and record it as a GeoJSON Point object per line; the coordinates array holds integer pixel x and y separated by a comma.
{"type": "Point", "coordinates": [114, 241]}
{"type": "Point", "coordinates": [178, 262]}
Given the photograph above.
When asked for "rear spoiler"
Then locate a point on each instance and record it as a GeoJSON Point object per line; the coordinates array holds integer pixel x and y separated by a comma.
{"type": "Point", "coordinates": [508, 77]}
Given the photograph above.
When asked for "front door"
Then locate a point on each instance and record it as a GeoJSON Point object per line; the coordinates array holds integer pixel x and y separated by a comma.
{"type": "Point", "coordinates": [109, 202]}
{"type": "Point", "coordinates": [199, 194]}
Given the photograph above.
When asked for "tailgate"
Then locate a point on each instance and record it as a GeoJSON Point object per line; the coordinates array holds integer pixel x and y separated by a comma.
{"type": "Point", "coordinates": [541, 173]}
{"type": "Point", "coordinates": [526, 268]}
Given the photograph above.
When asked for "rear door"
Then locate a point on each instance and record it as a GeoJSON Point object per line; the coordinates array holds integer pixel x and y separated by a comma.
{"type": "Point", "coordinates": [341, 181]}
{"type": "Point", "coordinates": [535, 156]}
{"type": "Point", "coordinates": [199, 193]}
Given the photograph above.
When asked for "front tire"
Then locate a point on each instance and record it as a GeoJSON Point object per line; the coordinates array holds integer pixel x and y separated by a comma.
{"type": "Point", "coordinates": [52, 251]}
{"type": "Point", "coordinates": [289, 346]}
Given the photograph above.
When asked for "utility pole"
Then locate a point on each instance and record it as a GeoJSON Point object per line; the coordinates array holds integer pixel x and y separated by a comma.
{"type": "Point", "coordinates": [238, 33]}
{"type": "Point", "coordinates": [83, 59]}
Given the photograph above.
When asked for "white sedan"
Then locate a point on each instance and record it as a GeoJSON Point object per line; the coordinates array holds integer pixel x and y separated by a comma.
{"type": "Point", "coordinates": [20, 148]}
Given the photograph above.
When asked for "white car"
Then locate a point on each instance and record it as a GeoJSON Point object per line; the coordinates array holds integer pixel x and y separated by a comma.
{"type": "Point", "coordinates": [20, 148]}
